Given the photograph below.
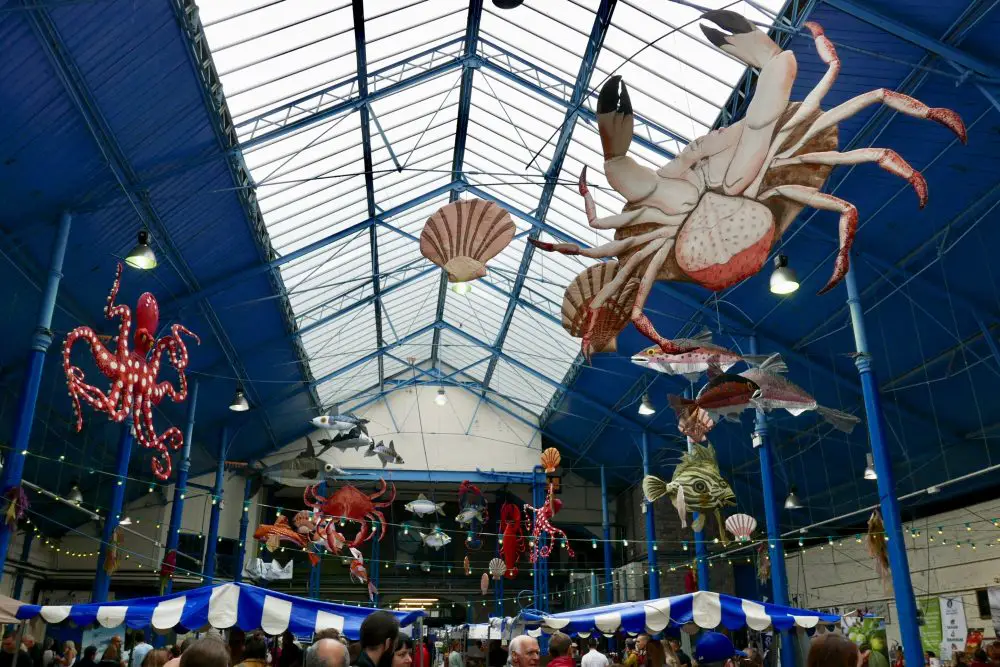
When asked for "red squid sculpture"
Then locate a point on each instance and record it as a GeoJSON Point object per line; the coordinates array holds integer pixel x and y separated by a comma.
{"type": "Point", "coordinates": [512, 543]}
{"type": "Point", "coordinates": [133, 373]}
{"type": "Point", "coordinates": [348, 502]}
{"type": "Point", "coordinates": [543, 524]}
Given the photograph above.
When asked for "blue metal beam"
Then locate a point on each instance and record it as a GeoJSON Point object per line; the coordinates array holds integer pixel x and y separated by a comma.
{"type": "Point", "coordinates": [602, 21]}
{"type": "Point", "coordinates": [475, 16]}
{"type": "Point", "coordinates": [360, 50]}
{"type": "Point", "coordinates": [477, 476]}
{"type": "Point", "coordinates": [899, 29]}
{"type": "Point", "coordinates": [377, 354]}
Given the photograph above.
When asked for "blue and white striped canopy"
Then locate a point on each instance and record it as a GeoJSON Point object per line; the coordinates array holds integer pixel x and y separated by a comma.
{"type": "Point", "coordinates": [221, 606]}
{"type": "Point", "coordinates": [705, 609]}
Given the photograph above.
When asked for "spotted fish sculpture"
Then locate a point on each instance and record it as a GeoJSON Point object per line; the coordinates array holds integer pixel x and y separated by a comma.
{"type": "Point", "coordinates": [696, 485]}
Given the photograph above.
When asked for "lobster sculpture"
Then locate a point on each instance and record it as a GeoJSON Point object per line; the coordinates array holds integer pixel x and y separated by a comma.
{"type": "Point", "coordinates": [349, 503]}
{"type": "Point", "coordinates": [543, 524]}
{"type": "Point", "coordinates": [512, 542]}
{"type": "Point", "coordinates": [133, 373]}
{"type": "Point", "coordinates": [712, 215]}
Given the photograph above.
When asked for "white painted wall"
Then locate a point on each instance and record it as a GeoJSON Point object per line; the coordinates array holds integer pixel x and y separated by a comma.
{"type": "Point", "coordinates": [464, 434]}
{"type": "Point", "coordinates": [845, 575]}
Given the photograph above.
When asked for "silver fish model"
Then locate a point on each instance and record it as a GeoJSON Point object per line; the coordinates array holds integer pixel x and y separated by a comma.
{"type": "Point", "coordinates": [435, 539]}
{"type": "Point", "coordinates": [339, 423]}
{"type": "Point", "coordinates": [422, 506]}
{"type": "Point", "coordinates": [469, 514]}
{"type": "Point", "coordinates": [306, 469]}
{"type": "Point", "coordinates": [386, 453]}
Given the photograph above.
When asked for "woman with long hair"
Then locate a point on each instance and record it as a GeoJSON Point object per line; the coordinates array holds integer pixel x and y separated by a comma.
{"type": "Point", "coordinates": [833, 650]}
{"type": "Point", "coordinates": [655, 655]}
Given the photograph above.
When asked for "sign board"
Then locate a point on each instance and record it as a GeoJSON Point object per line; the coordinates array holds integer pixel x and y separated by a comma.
{"type": "Point", "coordinates": [953, 626]}
{"type": "Point", "coordinates": [929, 618]}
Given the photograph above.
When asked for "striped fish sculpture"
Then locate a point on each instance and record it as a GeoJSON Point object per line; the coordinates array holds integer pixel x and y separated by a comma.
{"type": "Point", "coordinates": [696, 485]}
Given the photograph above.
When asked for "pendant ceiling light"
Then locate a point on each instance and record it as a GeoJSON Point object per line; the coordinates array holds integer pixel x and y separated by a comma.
{"type": "Point", "coordinates": [870, 468]}
{"type": "Point", "coordinates": [792, 502]}
{"type": "Point", "coordinates": [461, 288]}
{"type": "Point", "coordinates": [646, 407]}
{"type": "Point", "coordinates": [240, 403]}
{"type": "Point", "coordinates": [441, 398]}
{"type": "Point", "coordinates": [783, 278]}
{"type": "Point", "coordinates": [141, 256]}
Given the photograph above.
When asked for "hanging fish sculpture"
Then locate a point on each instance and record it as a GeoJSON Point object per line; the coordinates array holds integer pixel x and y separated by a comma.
{"type": "Point", "coordinates": [306, 469]}
{"type": "Point", "coordinates": [763, 563]}
{"type": "Point", "coordinates": [696, 485]}
{"type": "Point", "coordinates": [436, 539]}
{"type": "Point", "coordinates": [422, 506]}
{"type": "Point", "coordinates": [777, 392]}
{"type": "Point", "coordinates": [339, 423]}
{"type": "Point", "coordinates": [877, 549]}
{"type": "Point", "coordinates": [359, 574]}
{"type": "Point", "coordinates": [602, 334]}
{"type": "Point", "coordinates": [273, 534]}
{"type": "Point", "coordinates": [694, 362]}
{"type": "Point", "coordinates": [474, 513]}
{"type": "Point", "coordinates": [385, 453]}
{"type": "Point", "coordinates": [484, 583]}
{"type": "Point", "coordinates": [462, 236]}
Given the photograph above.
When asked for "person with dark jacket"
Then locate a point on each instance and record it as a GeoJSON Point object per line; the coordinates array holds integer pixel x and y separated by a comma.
{"type": "Point", "coordinates": [378, 636]}
{"type": "Point", "coordinates": [87, 660]}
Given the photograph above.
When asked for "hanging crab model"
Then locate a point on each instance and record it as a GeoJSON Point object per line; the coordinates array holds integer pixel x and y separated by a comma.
{"type": "Point", "coordinates": [512, 539]}
{"type": "Point", "coordinates": [543, 524]}
{"type": "Point", "coordinates": [348, 502]}
{"type": "Point", "coordinates": [712, 214]}
{"type": "Point", "coordinates": [134, 388]}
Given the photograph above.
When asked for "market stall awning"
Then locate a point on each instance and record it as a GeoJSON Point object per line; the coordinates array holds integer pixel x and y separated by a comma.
{"type": "Point", "coordinates": [704, 609]}
{"type": "Point", "coordinates": [221, 606]}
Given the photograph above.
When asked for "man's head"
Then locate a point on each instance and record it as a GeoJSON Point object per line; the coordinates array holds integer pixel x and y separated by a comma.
{"type": "Point", "coordinates": [327, 653]}
{"type": "Point", "coordinates": [524, 651]}
{"type": "Point", "coordinates": [592, 643]}
{"type": "Point", "coordinates": [641, 642]}
{"type": "Point", "coordinates": [28, 640]}
{"type": "Point", "coordinates": [559, 645]}
{"type": "Point", "coordinates": [378, 634]}
{"type": "Point", "coordinates": [90, 652]}
{"type": "Point", "coordinates": [8, 643]}
{"type": "Point", "coordinates": [138, 637]}
{"type": "Point", "coordinates": [326, 633]}
{"type": "Point", "coordinates": [255, 648]}
{"type": "Point", "coordinates": [714, 648]}
{"type": "Point", "coordinates": [674, 643]}
{"type": "Point", "coordinates": [209, 651]}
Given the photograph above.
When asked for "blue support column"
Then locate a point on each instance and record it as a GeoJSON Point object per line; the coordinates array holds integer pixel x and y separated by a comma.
{"type": "Point", "coordinates": [654, 576]}
{"type": "Point", "coordinates": [498, 584]}
{"type": "Point", "coordinates": [14, 465]}
{"type": "Point", "coordinates": [180, 488]}
{"type": "Point", "coordinates": [102, 582]}
{"type": "Point", "coordinates": [241, 551]}
{"type": "Point", "coordinates": [700, 549]}
{"type": "Point", "coordinates": [29, 537]}
{"type": "Point", "coordinates": [212, 543]}
{"type": "Point", "coordinates": [541, 565]}
{"type": "Point", "coordinates": [609, 590]}
{"type": "Point", "coordinates": [776, 550]}
{"type": "Point", "coordinates": [906, 606]}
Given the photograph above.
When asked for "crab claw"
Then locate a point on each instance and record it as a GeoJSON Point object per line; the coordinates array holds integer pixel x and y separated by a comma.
{"type": "Point", "coordinates": [584, 190]}
{"type": "Point", "coordinates": [744, 41]}
{"type": "Point", "coordinates": [614, 118]}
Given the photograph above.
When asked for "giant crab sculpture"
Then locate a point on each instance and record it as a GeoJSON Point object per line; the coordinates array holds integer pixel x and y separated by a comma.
{"type": "Point", "coordinates": [712, 215]}
{"type": "Point", "coordinates": [348, 502]}
{"type": "Point", "coordinates": [133, 373]}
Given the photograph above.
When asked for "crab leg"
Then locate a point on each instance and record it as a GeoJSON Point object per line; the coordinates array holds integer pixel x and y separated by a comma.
{"type": "Point", "coordinates": [888, 159]}
{"type": "Point", "coordinates": [609, 249]}
{"type": "Point", "coordinates": [848, 221]}
{"type": "Point", "coordinates": [904, 104]}
{"type": "Point", "coordinates": [643, 213]}
{"type": "Point", "coordinates": [828, 54]}
{"type": "Point", "coordinates": [625, 271]}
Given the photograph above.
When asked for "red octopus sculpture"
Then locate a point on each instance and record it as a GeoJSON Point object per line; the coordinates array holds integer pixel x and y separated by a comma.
{"type": "Point", "coordinates": [512, 539]}
{"type": "Point", "coordinates": [134, 388]}
{"type": "Point", "coordinates": [348, 502]}
{"type": "Point", "coordinates": [543, 524]}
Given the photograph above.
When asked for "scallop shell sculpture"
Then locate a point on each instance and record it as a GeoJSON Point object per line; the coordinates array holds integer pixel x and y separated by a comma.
{"type": "Point", "coordinates": [551, 458]}
{"type": "Point", "coordinates": [484, 583]}
{"type": "Point", "coordinates": [741, 526]}
{"type": "Point", "coordinates": [497, 568]}
{"type": "Point", "coordinates": [462, 236]}
{"type": "Point", "coordinates": [611, 319]}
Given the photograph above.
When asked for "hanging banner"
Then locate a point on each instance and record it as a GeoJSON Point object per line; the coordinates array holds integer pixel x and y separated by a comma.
{"type": "Point", "coordinates": [953, 627]}
{"type": "Point", "coordinates": [994, 596]}
{"type": "Point", "coordinates": [929, 618]}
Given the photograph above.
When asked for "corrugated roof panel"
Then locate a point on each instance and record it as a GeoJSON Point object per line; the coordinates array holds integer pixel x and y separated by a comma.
{"type": "Point", "coordinates": [479, 312]}
{"type": "Point", "coordinates": [410, 307]}
{"type": "Point", "coordinates": [540, 344]}
{"type": "Point", "coordinates": [458, 353]}
{"type": "Point", "coordinates": [328, 279]}
{"type": "Point", "coordinates": [395, 29]}
{"type": "Point", "coordinates": [523, 388]}
{"type": "Point", "coordinates": [418, 349]}
{"type": "Point", "coordinates": [340, 342]}
{"type": "Point", "coordinates": [360, 382]}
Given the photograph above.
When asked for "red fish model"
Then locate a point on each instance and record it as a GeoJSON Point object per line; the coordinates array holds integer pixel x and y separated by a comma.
{"type": "Point", "coordinates": [512, 539]}
{"type": "Point", "coordinates": [701, 354]}
{"type": "Point", "coordinates": [360, 574]}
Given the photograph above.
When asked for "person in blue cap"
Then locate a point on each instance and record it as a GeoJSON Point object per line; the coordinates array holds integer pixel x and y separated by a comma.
{"type": "Point", "coordinates": [715, 649]}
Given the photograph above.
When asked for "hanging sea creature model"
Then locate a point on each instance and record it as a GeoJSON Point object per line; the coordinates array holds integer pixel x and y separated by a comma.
{"type": "Point", "coordinates": [512, 542]}
{"type": "Point", "coordinates": [354, 438]}
{"type": "Point", "coordinates": [484, 583]}
{"type": "Point", "coordinates": [763, 563]}
{"type": "Point", "coordinates": [422, 506]}
{"type": "Point", "coordinates": [273, 534]}
{"type": "Point", "coordinates": [543, 524]}
{"type": "Point", "coordinates": [425, 566]}
{"type": "Point", "coordinates": [694, 362]}
{"type": "Point", "coordinates": [17, 506]}
{"type": "Point", "coordinates": [473, 513]}
{"type": "Point", "coordinates": [777, 392]}
{"type": "Point", "coordinates": [340, 423]}
{"type": "Point", "coordinates": [436, 539]}
{"type": "Point", "coordinates": [305, 469]}
{"type": "Point", "coordinates": [462, 236]}
{"type": "Point", "coordinates": [385, 453]}
{"type": "Point", "coordinates": [113, 558]}
{"type": "Point", "coordinates": [167, 568]}
{"type": "Point", "coordinates": [876, 543]}
{"type": "Point", "coordinates": [319, 529]}
{"type": "Point", "coordinates": [601, 334]}
{"type": "Point", "coordinates": [467, 566]}
{"type": "Point", "coordinates": [134, 387]}
{"type": "Point", "coordinates": [359, 574]}
{"type": "Point", "coordinates": [741, 526]}
{"type": "Point", "coordinates": [497, 569]}
{"type": "Point", "coordinates": [349, 503]}
{"type": "Point", "coordinates": [468, 515]}
{"type": "Point", "coordinates": [725, 395]}
{"type": "Point", "coordinates": [551, 458]}
{"type": "Point", "coordinates": [712, 214]}
{"type": "Point", "coordinates": [696, 485]}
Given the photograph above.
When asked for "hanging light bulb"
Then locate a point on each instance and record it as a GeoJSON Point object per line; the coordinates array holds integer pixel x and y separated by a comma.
{"type": "Point", "coordinates": [646, 407]}
{"type": "Point", "coordinates": [75, 496]}
{"type": "Point", "coordinates": [461, 288]}
{"type": "Point", "coordinates": [792, 502]}
{"type": "Point", "coordinates": [441, 398]}
{"type": "Point", "coordinates": [240, 403]}
{"type": "Point", "coordinates": [141, 256]}
{"type": "Point", "coordinates": [783, 278]}
{"type": "Point", "coordinates": [870, 467]}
